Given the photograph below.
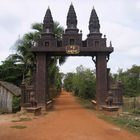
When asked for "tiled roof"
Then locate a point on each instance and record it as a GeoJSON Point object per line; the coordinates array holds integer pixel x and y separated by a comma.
{"type": "Point", "coordinates": [11, 87]}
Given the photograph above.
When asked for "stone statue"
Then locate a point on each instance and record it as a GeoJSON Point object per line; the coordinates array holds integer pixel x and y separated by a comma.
{"type": "Point", "coordinates": [33, 100]}
{"type": "Point", "coordinates": [109, 99]}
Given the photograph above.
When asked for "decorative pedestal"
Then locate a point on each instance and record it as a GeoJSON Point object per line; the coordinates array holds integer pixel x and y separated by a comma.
{"type": "Point", "coordinates": [35, 110]}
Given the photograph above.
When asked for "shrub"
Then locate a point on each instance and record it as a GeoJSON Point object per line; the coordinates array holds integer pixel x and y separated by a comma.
{"type": "Point", "coordinates": [82, 83]}
{"type": "Point", "coordinates": [15, 104]}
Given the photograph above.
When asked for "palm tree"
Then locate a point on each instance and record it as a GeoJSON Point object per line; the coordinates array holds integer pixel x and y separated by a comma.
{"type": "Point", "coordinates": [25, 56]}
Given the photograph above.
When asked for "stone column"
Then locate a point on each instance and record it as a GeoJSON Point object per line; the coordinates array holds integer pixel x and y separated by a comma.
{"type": "Point", "coordinates": [108, 79]}
{"type": "Point", "coordinates": [101, 79]}
{"type": "Point", "coordinates": [40, 85]}
{"type": "Point", "coordinates": [47, 80]}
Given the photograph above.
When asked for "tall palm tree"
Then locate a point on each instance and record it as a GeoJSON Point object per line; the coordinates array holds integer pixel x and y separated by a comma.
{"type": "Point", "coordinates": [25, 56]}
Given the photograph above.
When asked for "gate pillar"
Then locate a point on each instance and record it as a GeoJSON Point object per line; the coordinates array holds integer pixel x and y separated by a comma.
{"type": "Point", "coordinates": [101, 79]}
{"type": "Point", "coordinates": [41, 80]}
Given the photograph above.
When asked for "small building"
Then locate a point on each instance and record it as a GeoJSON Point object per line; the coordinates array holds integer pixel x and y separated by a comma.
{"type": "Point", "coordinates": [7, 93]}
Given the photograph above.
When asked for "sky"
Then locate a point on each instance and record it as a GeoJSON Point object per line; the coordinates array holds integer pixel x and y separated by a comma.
{"type": "Point", "coordinates": [119, 21]}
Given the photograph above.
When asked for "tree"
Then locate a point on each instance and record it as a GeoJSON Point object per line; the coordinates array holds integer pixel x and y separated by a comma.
{"type": "Point", "coordinates": [25, 56]}
{"type": "Point", "coordinates": [82, 83]}
{"type": "Point", "coordinates": [11, 72]}
{"type": "Point", "coordinates": [130, 79]}
{"type": "Point", "coordinates": [68, 82]}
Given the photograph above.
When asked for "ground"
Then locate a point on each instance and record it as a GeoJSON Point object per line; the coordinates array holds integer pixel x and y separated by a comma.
{"type": "Point", "coordinates": [68, 121]}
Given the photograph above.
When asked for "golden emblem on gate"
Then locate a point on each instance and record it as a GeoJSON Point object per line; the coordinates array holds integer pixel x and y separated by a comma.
{"type": "Point", "coordinates": [72, 49]}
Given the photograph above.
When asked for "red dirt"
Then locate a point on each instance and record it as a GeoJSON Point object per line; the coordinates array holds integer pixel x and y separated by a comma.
{"type": "Point", "coordinates": [68, 121]}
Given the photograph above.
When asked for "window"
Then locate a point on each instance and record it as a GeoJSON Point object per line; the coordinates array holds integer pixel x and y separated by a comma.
{"type": "Point", "coordinates": [96, 43]}
{"type": "Point", "coordinates": [72, 41]}
{"type": "Point", "coordinates": [47, 44]}
{"type": "Point", "coordinates": [47, 30]}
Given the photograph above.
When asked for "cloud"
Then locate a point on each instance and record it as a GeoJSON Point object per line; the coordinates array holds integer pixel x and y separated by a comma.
{"type": "Point", "coordinates": [119, 20]}
{"type": "Point", "coordinates": [126, 43]}
{"type": "Point", "coordinates": [10, 23]}
{"type": "Point", "coordinates": [138, 5]}
{"type": "Point", "coordinates": [123, 37]}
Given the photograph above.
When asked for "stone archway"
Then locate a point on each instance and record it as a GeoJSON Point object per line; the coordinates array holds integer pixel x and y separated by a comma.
{"type": "Point", "coordinates": [72, 44]}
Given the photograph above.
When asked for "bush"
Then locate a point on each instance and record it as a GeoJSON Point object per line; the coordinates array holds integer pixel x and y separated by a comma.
{"type": "Point", "coordinates": [16, 104]}
{"type": "Point", "coordinates": [82, 83]}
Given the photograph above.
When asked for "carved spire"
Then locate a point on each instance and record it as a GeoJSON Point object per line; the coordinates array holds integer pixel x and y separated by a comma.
{"type": "Point", "coordinates": [48, 22]}
{"type": "Point", "coordinates": [71, 18]}
{"type": "Point", "coordinates": [94, 25]}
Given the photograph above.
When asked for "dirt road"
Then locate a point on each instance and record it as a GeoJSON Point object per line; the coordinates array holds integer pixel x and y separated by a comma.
{"type": "Point", "coordinates": [68, 121]}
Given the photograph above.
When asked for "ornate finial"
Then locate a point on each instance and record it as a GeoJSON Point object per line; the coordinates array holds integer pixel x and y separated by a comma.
{"type": "Point", "coordinates": [48, 22]}
{"type": "Point", "coordinates": [71, 18]}
{"type": "Point", "coordinates": [104, 36]}
{"type": "Point", "coordinates": [94, 25]}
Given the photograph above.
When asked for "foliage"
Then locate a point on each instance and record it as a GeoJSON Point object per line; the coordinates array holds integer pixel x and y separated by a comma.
{"type": "Point", "coordinates": [68, 81]}
{"type": "Point", "coordinates": [86, 103]}
{"type": "Point", "coordinates": [15, 104]}
{"type": "Point", "coordinates": [130, 79]}
{"type": "Point", "coordinates": [82, 83]}
{"type": "Point", "coordinates": [22, 119]}
{"type": "Point", "coordinates": [11, 72]}
{"type": "Point", "coordinates": [126, 122]}
{"type": "Point", "coordinates": [19, 126]}
{"type": "Point", "coordinates": [136, 112]}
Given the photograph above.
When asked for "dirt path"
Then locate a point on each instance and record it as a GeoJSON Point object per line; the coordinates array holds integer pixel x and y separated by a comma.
{"type": "Point", "coordinates": [68, 121]}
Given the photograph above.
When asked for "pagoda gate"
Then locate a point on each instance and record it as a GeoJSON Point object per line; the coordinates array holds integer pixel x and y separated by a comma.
{"type": "Point", "coordinates": [71, 44]}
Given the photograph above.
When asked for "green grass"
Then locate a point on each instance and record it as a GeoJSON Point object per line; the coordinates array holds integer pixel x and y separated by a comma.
{"type": "Point", "coordinates": [22, 119]}
{"type": "Point", "coordinates": [85, 103]}
{"type": "Point", "coordinates": [137, 112]}
{"type": "Point", "coordinates": [125, 122]}
{"type": "Point", "coordinates": [19, 126]}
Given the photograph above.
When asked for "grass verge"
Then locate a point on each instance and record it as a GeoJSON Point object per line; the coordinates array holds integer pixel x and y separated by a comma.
{"type": "Point", "coordinates": [19, 126]}
{"type": "Point", "coordinates": [136, 112]}
{"type": "Point", "coordinates": [22, 119]}
{"type": "Point", "coordinates": [130, 123]}
{"type": "Point", "coordinates": [85, 103]}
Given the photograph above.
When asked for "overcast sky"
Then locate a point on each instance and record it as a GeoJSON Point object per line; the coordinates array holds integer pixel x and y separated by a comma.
{"type": "Point", "coordinates": [119, 20]}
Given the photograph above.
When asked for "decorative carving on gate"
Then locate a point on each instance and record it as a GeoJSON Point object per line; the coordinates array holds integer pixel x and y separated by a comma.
{"type": "Point", "coordinates": [72, 49]}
